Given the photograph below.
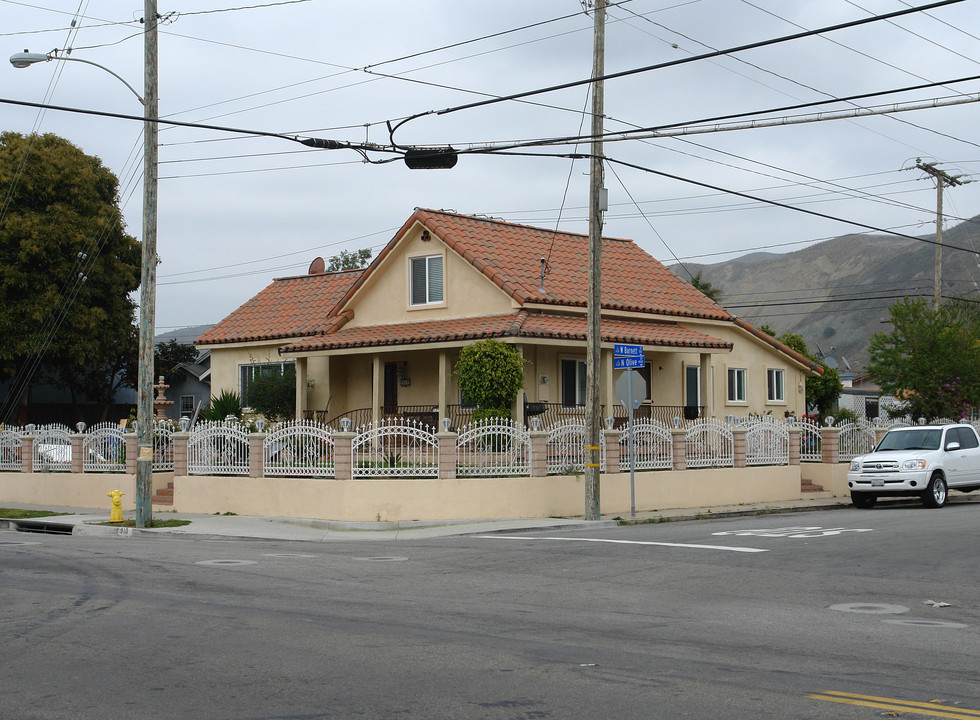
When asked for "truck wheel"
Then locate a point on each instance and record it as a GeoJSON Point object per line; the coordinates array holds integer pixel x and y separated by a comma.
{"type": "Point", "coordinates": [935, 492]}
{"type": "Point", "coordinates": [865, 501]}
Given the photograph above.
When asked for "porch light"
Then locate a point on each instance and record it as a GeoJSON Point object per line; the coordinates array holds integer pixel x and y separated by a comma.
{"type": "Point", "coordinates": [184, 423]}
{"type": "Point", "coordinates": [260, 424]}
{"type": "Point", "coordinates": [676, 422]}
{"type": "Point", "coordinates": [345, 424]}
{"type": "Point", "coordinates": [535, 423]}
{"type": "Point", "coordinates": [609, 423]}
{"type": "Point", "coordinates": [445, 422]}
{"type": "Point", "coordinates": [80, 426]}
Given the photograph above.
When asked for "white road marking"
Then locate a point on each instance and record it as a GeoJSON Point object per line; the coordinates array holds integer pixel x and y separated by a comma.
{"type": "Point", "coordinates": [627, 542]}
{"type": "Point", "coordinates": [793, 532]}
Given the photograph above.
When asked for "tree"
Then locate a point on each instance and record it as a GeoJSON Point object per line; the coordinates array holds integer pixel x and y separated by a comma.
{"type": "Point", "coordinates": [490, 374]}
{"type": "Point", "coordinates": [821, 392]}
{"type": "Point", "coordinates": [273, 393]}
{"type": "Point", "coordinates": [167, 356]}
{"type": "Point", "coordinates": [931, 359]}
{"type": "Point", "coordinates": [706, 288]}
{"type": "Point", "coordinates": [350, 260]}
{"type": "Point", "coordinates": [68, 271]}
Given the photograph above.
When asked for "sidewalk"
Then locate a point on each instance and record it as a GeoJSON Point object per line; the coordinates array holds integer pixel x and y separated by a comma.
{"type": "Point", "coordinates": [81, 521]}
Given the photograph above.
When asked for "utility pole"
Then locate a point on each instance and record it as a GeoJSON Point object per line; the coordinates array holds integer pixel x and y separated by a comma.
{"type": "Point", "coordinates": [593, 421]}
{"type": "Point", "coordinates": [144, 396]}
{"type": "Point", "coordinates": [942, 180]}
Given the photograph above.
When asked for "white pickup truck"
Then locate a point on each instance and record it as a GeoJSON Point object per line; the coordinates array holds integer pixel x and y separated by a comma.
{"type": "Point", "coordinates": [924, 461]}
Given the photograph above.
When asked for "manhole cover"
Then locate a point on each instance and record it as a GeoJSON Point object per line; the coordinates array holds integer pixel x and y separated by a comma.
{"type": "Point", "coordinates": [870, 608]}
{"type": "Point", "coordinates": [383, 558]}
{"type": "Point", "coordinates": [927, 623]}
{"type": "Point", "coordinates": [292, 555]}
{"type": "Point", "coordinates": [225, 563]}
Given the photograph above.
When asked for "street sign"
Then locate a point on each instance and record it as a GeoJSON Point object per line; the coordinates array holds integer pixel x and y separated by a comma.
{"type": "Point", "coordinates": [628, 350]}
{"type": "Point", "coordinates": [624, 363]}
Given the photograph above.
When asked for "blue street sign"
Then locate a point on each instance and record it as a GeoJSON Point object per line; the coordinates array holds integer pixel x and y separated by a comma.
{"type": "Point", "coordinates": [624, 363]}
{"type": "Point", "coordinates": [628, 351]}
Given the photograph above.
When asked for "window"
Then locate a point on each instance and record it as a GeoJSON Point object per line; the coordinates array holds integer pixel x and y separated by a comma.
{"type": "Point", "coordinates": [247, 374]}
{"type": "Point", "coordinates": [573, 382]}
{"type": "Point", "coordinates": [774, 385]}
{"type": "Point", "coordinates": [692, 390]}
{"type": "Point", "coordinates": [736, 384]}
{"type": "Point", "coordinates": [426, 280]}
{"type": "Point", "coordinates": [186, 405]}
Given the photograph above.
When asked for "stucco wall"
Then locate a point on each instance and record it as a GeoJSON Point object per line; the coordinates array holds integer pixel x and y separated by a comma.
{"type": "Point", "coordinates": [86, 490]}
{"type": "Point", "coordinates": [384, 298]}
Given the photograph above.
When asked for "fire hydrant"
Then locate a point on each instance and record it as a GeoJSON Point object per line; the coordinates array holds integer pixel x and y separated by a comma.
{"type": "Point", "coordinates": [116, 513]}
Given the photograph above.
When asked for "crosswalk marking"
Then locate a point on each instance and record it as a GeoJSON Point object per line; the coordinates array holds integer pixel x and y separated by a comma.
{"type": "Point", "coordinates": [726, 548]}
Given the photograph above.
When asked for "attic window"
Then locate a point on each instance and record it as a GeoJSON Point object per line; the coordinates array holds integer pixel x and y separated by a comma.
{"type": "Point", "coordinates": [427, 280]}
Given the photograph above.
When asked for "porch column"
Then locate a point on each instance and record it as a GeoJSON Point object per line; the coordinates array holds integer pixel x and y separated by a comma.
{"type": "Point", "coordinates": [377, 377]}
{"type": "Point", "coordinates": [443, 384]}
{"type": "Point", "coordinates": [300, 388]}
{"type": "Point", "coordinates": [521, 395]}
{"type": "Point", "coordinates": [706, 395]}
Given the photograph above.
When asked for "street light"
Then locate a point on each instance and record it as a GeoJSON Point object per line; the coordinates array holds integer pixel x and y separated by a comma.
{"type": "Point", "coordinates": [144, 400]}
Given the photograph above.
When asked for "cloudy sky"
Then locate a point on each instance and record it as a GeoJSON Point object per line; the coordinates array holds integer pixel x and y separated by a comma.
{"type": "Point", "coordinates": [237, 210]}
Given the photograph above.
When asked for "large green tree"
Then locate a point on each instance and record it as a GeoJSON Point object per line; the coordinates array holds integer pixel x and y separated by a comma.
{"type": "Point", "coordinates": [931, 358]}
{"type": "Point", "coordinates": [68, 271]}
{"type": "Point", "coordinates": [167, 357]}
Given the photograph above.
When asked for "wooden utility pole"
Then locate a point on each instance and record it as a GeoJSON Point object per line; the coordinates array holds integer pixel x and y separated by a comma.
{"type": "Point", "coordinates": [942, 180]}
{"type": "Point", "coordinates": [144, 390]}
{"type": "Point", "coordinates": [593, 419]}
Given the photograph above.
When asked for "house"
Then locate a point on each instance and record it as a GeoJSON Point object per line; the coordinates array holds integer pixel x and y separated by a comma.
{"type": "Point", "coordinates": [383, 340]}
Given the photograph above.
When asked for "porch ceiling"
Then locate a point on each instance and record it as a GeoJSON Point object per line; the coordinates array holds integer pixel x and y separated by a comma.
{"type": "Point", "coordinates": [517, 325]}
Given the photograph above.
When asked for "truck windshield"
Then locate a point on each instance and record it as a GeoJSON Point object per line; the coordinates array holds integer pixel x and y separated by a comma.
{"type": "Point", "coordinates": [911, 439]}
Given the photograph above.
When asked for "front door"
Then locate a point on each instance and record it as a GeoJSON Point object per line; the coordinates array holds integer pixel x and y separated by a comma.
{"type": "Point", "coordinates": [391, 389]}
{"type": "Point", "coordinates": [692, 391]}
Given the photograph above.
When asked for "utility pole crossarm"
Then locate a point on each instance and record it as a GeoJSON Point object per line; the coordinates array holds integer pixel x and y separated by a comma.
{"type": "Point", "coordinates": [942, 179]}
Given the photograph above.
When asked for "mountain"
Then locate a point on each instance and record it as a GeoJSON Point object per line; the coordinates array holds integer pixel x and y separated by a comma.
{"type": "Point", "coordinates": [836, 293]}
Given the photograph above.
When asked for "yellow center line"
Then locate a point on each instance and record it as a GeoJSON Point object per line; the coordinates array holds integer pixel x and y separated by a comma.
{"type": "Point", "coordinates": [908, 706]}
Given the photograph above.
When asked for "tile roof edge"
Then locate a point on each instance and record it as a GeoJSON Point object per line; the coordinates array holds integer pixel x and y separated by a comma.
{"type": "Point", "coordinates": [812, 365]}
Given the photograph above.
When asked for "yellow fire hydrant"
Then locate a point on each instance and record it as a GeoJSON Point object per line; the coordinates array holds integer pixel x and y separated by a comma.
{"type": "Point", "coordinates": [116, 513]}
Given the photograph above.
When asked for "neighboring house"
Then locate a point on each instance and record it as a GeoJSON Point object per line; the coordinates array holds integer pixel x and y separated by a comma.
{"type": "Point", "coordinates": [192, 388]}
{"type": "Point", "coordinates": [383, 340]}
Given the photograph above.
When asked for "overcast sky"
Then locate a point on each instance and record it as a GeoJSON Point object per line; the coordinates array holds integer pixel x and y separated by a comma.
{"type": "Point", "coordinates": [235, 211]}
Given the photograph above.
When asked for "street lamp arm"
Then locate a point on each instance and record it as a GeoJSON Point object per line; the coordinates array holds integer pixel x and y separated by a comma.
{"type": "Point", "coordinates": [26, 59]}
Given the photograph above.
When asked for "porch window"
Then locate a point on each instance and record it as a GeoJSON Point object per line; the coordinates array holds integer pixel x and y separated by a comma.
{"type": "Point", "coordinates": [736, 384]}
{"type": "Point", "coordinates": [249, 374]}
{"type": "Point", "coordinates": [774, 383]}
{"type": "Point", "coordinates": [573, 382]}
{"type": "Point", "coordinates": [186, 405]}
{"type": "Point", "coordinates": [427, 280]}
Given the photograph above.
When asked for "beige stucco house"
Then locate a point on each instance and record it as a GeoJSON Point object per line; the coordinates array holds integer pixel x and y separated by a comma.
{"type": "Point", "coordinates": [383, 340]}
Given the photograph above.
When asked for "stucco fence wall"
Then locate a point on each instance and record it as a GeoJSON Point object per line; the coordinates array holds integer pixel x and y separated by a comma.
{"type": "Point", "coordinates": [395, 499]}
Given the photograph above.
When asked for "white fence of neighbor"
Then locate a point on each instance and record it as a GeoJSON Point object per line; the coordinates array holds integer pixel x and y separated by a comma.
{"type": "Point", "coordinates": [409, 448]}
{"type": "Point", "coordinates": [395, 448]}
{"type": "Point", "coordinates": [493, 448]}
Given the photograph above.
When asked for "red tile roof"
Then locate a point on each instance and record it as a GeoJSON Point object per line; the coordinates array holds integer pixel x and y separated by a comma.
{"type": "Point", "coordinates": [520, 325]}
{"type": "Point", "coordinates": [510, 256]}
{"type": "Point", "coordinates": [290, 307]}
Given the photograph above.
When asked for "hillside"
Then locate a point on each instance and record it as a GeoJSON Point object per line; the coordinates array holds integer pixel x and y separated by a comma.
{"type": "Point", "coordinates": [837, 293]}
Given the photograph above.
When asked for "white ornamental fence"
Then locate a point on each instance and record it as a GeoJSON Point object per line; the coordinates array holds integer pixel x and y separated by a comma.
{"type": "Point", "coordinates": [566, 448]}
{"type": "Point", "coordinates": [855, 439]}
{"type": "Point", "coordinates": [766, 442]}
{"type": "Point", "coordinates": [395, 448]}
{"type": "Point", "coordinates": [653, 447]}
{"type": "Point", "coordinates": [52, 449]}
{"type": "Point", "coordinates": [710, 444]}
{"type": "Point", "coordinates": [10, 449]}
{"type": "Point", "coordinates": [299, 448]}
{"type": "Point", "coordinates": [104, 449]}
{"type": "Point", "coordinates": [493, 448]}
{"type": "Point", "coordinates": [218, 449]}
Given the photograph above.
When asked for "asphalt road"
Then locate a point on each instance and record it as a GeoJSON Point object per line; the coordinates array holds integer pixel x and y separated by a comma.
{"type": "Point", "coordinates": [807, 615]}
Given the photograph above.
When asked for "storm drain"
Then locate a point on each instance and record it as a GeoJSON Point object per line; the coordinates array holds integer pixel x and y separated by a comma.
{"type": "Point", "coordinates": [49, 528]}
